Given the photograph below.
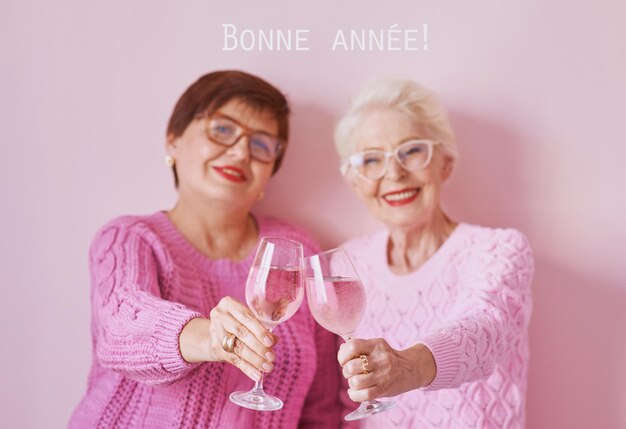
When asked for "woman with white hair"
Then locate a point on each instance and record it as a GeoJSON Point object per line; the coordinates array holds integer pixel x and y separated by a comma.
{"type": "Point", "coordinates": [445, 330]}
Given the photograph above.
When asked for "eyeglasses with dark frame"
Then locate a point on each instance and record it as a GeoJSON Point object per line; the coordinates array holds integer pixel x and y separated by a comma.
{"type": "Point", "coordinates": [226, 131]}
{"type": "Point", "coordinates": [413, 155]}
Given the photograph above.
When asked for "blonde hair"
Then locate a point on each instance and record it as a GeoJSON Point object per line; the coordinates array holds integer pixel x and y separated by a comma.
{"type": "Point", "coordinates": [419, 103]}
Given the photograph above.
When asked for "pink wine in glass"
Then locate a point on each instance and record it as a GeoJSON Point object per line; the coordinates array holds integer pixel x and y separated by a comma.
{"type": "Point", "coordinates": [337, 303]}
{"type": "Point", "coordinates": [278, 298]}
{"type": "Point", "coordinates": [274, 292]}
{"type": "Point", "coordinates": [336, 299]}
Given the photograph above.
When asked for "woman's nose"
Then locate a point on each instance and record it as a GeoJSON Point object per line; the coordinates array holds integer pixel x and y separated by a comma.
{"type": "Point", "coordinates": [395, 171]}
{"type": "Point", "coordinates": [241, 148]}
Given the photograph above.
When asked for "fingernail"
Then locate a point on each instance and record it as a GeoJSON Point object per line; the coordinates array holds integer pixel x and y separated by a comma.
{"type": "Point", "coordinates": [267, 367]}
{"type": "Point", "coordinates": [256, 376]}
{"type": "Point", "coordinates": [268, 341]}
{"type": "Point", "coordinates": [270, 356]}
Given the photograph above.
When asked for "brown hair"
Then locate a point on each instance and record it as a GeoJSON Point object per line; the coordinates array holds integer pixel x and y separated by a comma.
{"type": "Point", "coordinates": [213, 90]}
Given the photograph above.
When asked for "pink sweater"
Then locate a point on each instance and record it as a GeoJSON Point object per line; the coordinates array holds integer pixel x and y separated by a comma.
{"type": "Point", "coordinates": [470, 304]}
{"type": "Point", "coordinates": [147, 283]}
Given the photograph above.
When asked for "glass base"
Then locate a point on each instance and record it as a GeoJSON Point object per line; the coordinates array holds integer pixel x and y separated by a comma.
{"type": "Point", "coordinates": [256, 399]}
{"type": "Point", "coordinates": [369, 408]}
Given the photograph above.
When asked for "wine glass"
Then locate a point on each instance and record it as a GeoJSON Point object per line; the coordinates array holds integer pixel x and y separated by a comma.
{"type": "Point", "coordinates": [274, 292]}
{"type": "Point", "coordinates": [337, 301]}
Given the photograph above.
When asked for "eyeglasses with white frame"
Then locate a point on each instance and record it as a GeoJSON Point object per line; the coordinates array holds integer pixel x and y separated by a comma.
{"type": "Point", "coordinates": [372, 164]}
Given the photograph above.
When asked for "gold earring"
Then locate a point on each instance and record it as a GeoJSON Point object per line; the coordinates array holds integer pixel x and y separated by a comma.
{"type": "Point", "coordinates": [260, 196]}
{"type": "Point", "coordinates": [169, 161]}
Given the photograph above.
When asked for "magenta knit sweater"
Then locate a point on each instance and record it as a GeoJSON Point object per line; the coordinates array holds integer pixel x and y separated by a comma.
{"type": "Point", "coordinates": [470, 304]}
{"type": "Point", "coordinates": [147, 282]}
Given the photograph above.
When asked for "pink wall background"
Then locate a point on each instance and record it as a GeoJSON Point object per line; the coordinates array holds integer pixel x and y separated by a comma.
{"type": "Point", "coordinates": [536, 94]}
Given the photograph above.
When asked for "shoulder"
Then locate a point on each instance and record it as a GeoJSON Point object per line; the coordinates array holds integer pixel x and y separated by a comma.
{"type": "Point", "coordinates": [505, 250]}
{"type": "Point", "coordinates": [494, 240]}
{"type": "Point", "coordinates": [127, 228]}
{"type": "Point", "coordinates": [279, 228]}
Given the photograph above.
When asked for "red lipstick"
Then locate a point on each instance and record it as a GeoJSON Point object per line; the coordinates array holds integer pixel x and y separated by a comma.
{"type": "Point", "coordinates": [401, 197]}
{"type": "Point", "coordinates": [231, 173]}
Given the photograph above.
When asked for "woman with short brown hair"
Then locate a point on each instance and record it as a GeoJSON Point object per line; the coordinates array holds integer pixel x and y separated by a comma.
{"type": "Point", "coordinates": [171, 335]}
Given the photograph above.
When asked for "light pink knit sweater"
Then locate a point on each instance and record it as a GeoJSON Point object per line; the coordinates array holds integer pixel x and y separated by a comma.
{"type": "Point", "coordinates": [148, 281]}
{"type": "Point", "coordinates": [470, 304]}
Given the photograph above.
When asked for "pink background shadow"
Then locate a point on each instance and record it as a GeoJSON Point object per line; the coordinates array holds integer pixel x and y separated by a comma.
{"type": "Point", "coordinates": [535, 92]}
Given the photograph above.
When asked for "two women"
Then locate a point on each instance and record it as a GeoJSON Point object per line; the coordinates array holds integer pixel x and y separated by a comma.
{"type": "Point", "coordinates": [445, 330]}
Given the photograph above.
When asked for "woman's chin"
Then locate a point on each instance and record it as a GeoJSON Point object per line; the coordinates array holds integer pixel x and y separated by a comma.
{"type": "Point", "coordinates": [225, 197]}
{"type": "Point", "coordinates": [404, 218]}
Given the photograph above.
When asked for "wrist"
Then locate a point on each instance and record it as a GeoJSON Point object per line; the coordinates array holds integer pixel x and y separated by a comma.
{"type": "Point", "coordinates": [193, 340]}
{"type": "Point", "coordinates": [423, 366]}
{"type": "Point", "coordinates": [428, 365]}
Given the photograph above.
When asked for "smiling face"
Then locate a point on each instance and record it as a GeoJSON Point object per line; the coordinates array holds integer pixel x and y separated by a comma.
{"type": "Point", "coordinates": [222, 174]}
{"type": "Point", "coordinates": [401, 198]}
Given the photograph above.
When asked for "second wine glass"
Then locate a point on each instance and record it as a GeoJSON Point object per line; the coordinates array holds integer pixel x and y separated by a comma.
{"type": "Point", "coordinates": [274, 292]}
{"type": "Point", "coordinates": [336, 299]}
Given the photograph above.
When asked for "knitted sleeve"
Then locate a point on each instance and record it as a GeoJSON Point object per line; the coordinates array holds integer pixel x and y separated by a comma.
{"type": "Point", "coordinates": [135, 330]}
{"type": "Point", "coordinates": [493, 313]}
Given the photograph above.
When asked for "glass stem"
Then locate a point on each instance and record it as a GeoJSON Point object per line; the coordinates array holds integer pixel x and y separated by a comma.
{"type": "Point", "coordinates": [258, 386]}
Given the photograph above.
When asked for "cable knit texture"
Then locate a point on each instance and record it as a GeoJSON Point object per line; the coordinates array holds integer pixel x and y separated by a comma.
{"type": "Point", "coordinates": [470, 304]}
{"type": "Point", "coordinates": [148, 281]}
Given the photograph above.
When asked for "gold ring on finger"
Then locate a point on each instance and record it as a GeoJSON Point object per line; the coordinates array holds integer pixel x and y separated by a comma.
{"type": "Point", "coordinates": [364, 364]}
{"type": "Point", "coordinates": [228, 342]}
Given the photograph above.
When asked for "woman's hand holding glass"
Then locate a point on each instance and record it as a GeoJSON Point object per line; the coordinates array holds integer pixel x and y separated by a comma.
{"type": "Point", "coordinates": [397, 371]}
{"type": "Point", "coordinates": [203, 340]}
